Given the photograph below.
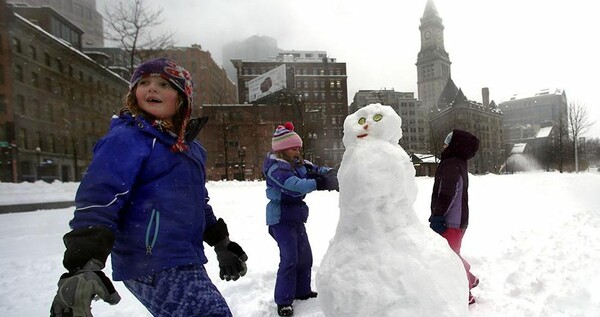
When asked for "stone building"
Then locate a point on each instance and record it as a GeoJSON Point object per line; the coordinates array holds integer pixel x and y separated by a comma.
{"type": "Point", "coordinates": [484, 120]}
{"type": "Point", "coordinates": [415, 120]}
{"type": "Point", "coordinates": [525, 114]}
{"type": "Point", "coordinates": [55, 102]}
{"type": "Point", "coordinates": [317, 92]}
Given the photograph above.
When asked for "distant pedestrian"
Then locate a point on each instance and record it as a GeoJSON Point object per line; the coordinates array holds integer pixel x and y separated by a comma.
{"type": "Point", "coordinates": [289, 178]}
{"type": "Point", "coordinates": [450, 196]}
{"type": "Point", "coordinates": [144, 201]}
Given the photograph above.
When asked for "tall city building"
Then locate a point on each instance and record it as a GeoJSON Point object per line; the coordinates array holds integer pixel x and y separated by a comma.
{"type": "Point", "coordinates": [433, 62]}
{"type": "Point", "coordinates": [415, 121]}
{"type": "Point", "coordinates": [316, 89]}
{"type": "Point", "coordinates": [82, 13]}
{"type": "Point", "coordinates": [254, 48]}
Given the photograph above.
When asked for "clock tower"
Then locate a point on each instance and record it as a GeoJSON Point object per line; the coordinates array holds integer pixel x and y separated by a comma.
{"type": "Point", "coordinates": [433, 62]}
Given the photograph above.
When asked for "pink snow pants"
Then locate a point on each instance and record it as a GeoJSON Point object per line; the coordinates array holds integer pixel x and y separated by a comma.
{"type": "Point", "coordinates": [454, 237]}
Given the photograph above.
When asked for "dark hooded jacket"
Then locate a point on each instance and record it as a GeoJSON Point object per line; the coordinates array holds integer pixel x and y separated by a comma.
{"type": "Point", "coordinates": [450, 197]}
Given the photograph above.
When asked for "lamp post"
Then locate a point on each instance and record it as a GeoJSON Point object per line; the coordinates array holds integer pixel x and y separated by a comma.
{"type": "Point", "coordinates": [242, 163]}
{"type": "Point", "coordinates": [38, 151]}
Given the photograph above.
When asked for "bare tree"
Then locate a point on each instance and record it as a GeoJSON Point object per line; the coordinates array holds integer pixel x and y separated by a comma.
{"type": "Point", "coordinates": [130, 25]}
{"type": "Point", "coordinates": [578, 124]}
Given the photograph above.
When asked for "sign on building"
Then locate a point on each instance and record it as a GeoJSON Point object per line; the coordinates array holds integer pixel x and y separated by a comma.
{"type": "Point", "coordinates": [267, 83]}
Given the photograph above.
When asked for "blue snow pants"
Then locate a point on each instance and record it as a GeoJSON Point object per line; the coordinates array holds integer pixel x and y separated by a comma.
{"type": "Point", "coordinates": [295, 262]}
{"type": "Point", "coordinates": [180, 291]}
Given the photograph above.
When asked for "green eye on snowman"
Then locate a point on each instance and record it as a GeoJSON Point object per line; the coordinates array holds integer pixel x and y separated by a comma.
{"type": "Point", "coordinates": [376, 118]}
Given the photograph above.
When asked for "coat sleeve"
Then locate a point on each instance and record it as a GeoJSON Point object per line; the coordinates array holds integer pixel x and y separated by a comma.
{"type": "Point", "coordinates": [284, 178]}
{"type": "Point", "coordinates": [106, 186]}
{"type": "Point", "coordinates": [444, 190]}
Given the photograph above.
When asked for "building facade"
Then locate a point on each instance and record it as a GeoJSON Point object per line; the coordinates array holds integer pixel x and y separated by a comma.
{"type": "Point", "coordinates": [237, 138]}
{"type": "Point", "coordinates": [483, 120]}
{"type": "Point", "coordinates": [82, 13]}
{"type": "Point", "coordinates": [316, 91]}
{"type": "Point", "coordinates": [415, 119]}
{"type": "Point", "coordinates": [524, 115]}
{"type": "Point", "coordinates": [56, 102]}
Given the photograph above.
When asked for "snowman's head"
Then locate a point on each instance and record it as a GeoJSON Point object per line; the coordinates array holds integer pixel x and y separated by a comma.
{"type": "Point", "coordinates": [372, 122]}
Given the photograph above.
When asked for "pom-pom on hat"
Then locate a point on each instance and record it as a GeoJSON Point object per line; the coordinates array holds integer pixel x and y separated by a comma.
{"type": "Point", "coordinates": [285, 138]}
{"type": "Point", "coordinates": [179, 78]}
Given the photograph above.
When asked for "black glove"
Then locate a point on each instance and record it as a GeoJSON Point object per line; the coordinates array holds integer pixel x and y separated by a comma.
{"type": "Point", "coordinates": [232, 258]}
{"type": "Point", "coordinates": [438, 224]}
{"type": "Point", "coordinates": [76, 291]}
{"type": "Point", "coordinates": [328, 181]}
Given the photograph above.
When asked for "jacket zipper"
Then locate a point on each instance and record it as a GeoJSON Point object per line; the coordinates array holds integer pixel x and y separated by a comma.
{"type": "Point", "coordinates": [151, 240]}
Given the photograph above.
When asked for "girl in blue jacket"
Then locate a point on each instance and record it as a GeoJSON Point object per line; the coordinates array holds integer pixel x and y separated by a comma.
{"type": "Point", "coordinates": [289, 178]}
{"type": "Point", "coordinates": [143, 200]}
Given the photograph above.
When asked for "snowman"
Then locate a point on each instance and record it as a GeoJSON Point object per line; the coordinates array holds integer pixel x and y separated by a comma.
{"type": "Point", "coordinates": [382, 260]}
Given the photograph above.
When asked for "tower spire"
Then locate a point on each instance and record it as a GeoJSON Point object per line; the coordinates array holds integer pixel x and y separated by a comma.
{"type": "Point", "coordinates": [430, 10]}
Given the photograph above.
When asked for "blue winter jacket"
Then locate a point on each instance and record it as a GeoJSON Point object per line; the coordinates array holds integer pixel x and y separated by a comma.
{"type": "Point", "coordinates": [287, 186]}
{"type": "Point", "coordinates": [154, 200]}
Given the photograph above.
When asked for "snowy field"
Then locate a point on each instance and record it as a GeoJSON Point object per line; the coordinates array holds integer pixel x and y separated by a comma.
{"type": "Point", "coordinates": [533, 240]}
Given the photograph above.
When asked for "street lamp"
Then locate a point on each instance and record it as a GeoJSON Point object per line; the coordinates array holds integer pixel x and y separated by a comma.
{"type": "Point", "coordinates": [38, 151]}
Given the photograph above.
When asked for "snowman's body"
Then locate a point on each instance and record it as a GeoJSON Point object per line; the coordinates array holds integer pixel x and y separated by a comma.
{"type": "Point", "coordinates": [382, 260]}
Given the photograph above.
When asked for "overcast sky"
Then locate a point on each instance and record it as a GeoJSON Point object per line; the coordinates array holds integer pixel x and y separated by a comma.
{"type": "Point", "coordinates": [509, 46]}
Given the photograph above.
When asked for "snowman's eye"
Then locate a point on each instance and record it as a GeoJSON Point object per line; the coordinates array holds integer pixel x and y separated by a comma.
{"type": "Point", "coordinates": [377, 117]}
{"type": "Point", "coordinates": [362, 120]}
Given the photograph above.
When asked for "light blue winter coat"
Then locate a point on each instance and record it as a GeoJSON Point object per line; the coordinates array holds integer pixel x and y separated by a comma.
{"type": "Point", "coordinates": [287, 186]}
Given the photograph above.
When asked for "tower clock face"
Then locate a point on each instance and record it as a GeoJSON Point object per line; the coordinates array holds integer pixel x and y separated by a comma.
{"type": "Point", "coordinates": [427, 34]}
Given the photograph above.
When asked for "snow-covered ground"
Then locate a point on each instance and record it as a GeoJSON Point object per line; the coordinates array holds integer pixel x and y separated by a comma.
{"type": "Point", "coordinates": [533, 240]}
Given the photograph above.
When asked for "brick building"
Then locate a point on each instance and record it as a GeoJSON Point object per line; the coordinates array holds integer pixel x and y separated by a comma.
{"type": "Point", "coordinates": [317, 92]}
{"type": "Point", "coordinates": [55, 102]}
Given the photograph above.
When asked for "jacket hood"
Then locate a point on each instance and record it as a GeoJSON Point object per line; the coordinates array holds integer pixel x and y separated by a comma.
{"type": "Point", "coordinates": [463, 145]}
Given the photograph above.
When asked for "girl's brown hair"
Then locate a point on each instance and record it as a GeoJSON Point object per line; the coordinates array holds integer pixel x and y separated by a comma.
{"type": "Point", "coordinates": [130, 105]}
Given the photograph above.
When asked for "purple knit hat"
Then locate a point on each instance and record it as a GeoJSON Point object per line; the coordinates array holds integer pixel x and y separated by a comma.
{"type": "Point", "coordinates": [285, 138]}
{"type": "Point", "coordinates": [178, 77]}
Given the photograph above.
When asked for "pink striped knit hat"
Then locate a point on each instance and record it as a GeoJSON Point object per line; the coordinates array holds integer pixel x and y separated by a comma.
{"type": "Point", "coordinates": [285, 138]}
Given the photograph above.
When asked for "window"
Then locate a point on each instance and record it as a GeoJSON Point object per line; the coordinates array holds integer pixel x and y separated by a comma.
{"type": "Point", "coordinates": [2, 104]}
{"type": "Point", "coordinates": [50, 112]}
{"type": "Point", "coordinates": [47, 60]}
{"type": "Point", "coordinates": [35, 81]}
{"type": "Point", "coordinates": [33, 52]}
{"type": "Point", "coordinates": [37, 108]}
{"type": "Point", "coordinates": [48, 84]}
{"type": "Point", "coordinates": [19, 73]}
{"type": "Point", "coordinates": [22, 139]}
{"type": "Point", "coordinates": [21, 104]}
{"type": "Point", "coordinates": [17, 45]}
{"type": "Point", "coordinates": [52, 141]}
